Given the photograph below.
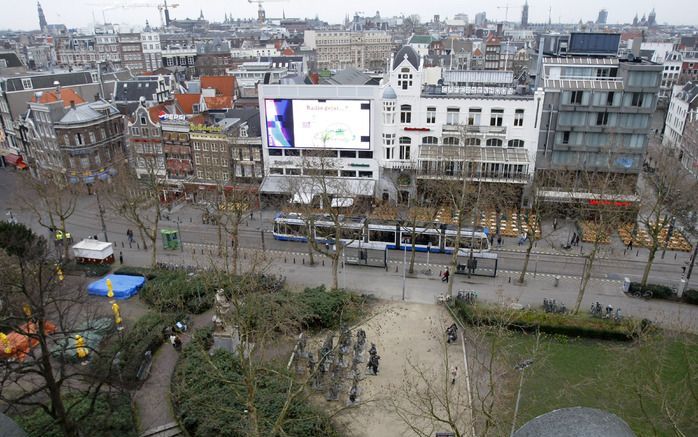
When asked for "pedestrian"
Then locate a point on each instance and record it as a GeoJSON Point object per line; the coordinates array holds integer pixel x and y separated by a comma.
{"type": "Point", "coordinates": [499, 240]}
{"type": "Point", "coordinates": [121, 257]}
{"type": "Point", "coordinates": [95, 237]}
{"type": "Point", "coordinates": [555, 224]}
{"type": "Point", "coordinates": [630, 244]}
{"type": "Point", "coordinates": [454, 375]}
{"type": "Point", "coordinates": [491, 240]}
{"type": "Point", "coordinates": [445, 275]}
{"type": "Point", "coordinates": [251, 215]}
{"type": "Point", "coordinates": [576, 241]}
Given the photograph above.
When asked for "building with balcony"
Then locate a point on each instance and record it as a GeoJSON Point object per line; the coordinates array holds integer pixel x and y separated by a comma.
{"type": "Point", "coordinates": [340, 49]}
{"type": "Point", "coordinates": [91, 141]}
{"type": "Point", "coordinates": [682, 108]}
{"type": "Point", "coordinates": [480, 125]}
{"type": "Point", "coordinates": [596, 120]}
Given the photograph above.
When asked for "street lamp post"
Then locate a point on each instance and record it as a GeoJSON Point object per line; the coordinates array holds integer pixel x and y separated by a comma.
{"type": "Point", "coordinates": [520, 367]}
{"type": "Point", "coordinates": [404, 266]}
{"type": "Point", "coordinates": [101, 215]}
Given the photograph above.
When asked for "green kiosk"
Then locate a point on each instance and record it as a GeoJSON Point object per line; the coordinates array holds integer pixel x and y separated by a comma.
{"type": "Point", "coordinates": [170, 239]}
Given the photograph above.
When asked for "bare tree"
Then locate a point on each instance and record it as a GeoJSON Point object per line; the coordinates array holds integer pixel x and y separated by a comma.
{"type": "Point", "coordinates": [323, 197]}
{"type": "Point", "coordinates": [418, 219]}
{"type": "Point", "coordinates": [52, 200]}
{"type": "Point", "coordinates": [669, 193]}
{"type": "Point", "coordinates": [37, 307]}
{"type": "Point", "coordinates": [139, 201]}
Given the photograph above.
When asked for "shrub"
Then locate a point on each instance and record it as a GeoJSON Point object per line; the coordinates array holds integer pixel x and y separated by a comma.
{"type": "Point", "coordinates": [137, 271]}
{"type": "Point", "coordinates": [111, 417]}
{"type": "Point", "coordinates": [147, 334]}
{"type": "Point", "coordinates": [327, 308]}
{"type": "Point", "coordinates": [549, 323]}
{"type": "Point", "coordinates": [690, 296]}
{"type": "Point", "coordinates": [221, 411]}
{"type": "Point", "coordinates": [179, 291]}
{"type": "Point", "coordinates": [90, 270]}
{"type": "Point", "coordinates": [658, 291]}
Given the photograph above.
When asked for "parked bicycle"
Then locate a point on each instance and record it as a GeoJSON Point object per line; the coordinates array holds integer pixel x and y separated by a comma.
{"type": "Point", "coordinates": [596, 310]}
{"type": "Point", "coordinates": [468, 297]}
{"type": "Point", "coordinates": [551, 306]}
{"type": "Point", "coordinates": [646, 294]}
{"type": "Point", "coordinates": [443, 299]}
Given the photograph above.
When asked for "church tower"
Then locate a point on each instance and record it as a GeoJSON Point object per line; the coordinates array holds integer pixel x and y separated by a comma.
{"type": "Point", "coordinates": [42, 19]}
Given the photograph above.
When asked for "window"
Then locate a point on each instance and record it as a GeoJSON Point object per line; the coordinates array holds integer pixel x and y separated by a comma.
{"type": "Point", "coordinates": [494, 142]}
{"type": "Point", "coordinates": [92, 138]}
{"type": "Point", "coordinates": [515, 143]}
{"type": "Point", "coordinates": [66, 140]}
{"type": "Point", "coordinates": [404, 78]}
{"type": "Point", "coordinates": [243, 131]}
{"type": "Point", "coordinates": [214, 148]}
{"type": "Point", "coordinates": [609, 98]}
{"type": "Point", "coordinates": [195, 108]}
{"type": "Point", "coordinates": [204, 147]}
{"type": "Point", "coordinates": [451, 141]}
{"type": "Point", "coordinates": [389, 112]}
{"type": "Point", "coordinates": [638, 99]}
{"type": "Point", "coordinates": [103, 133]}
{"type": "Point", "coordinates": [85, 162]}
{"type": "Point", "coordinates": [405, 114]}
{"type": "Point", "coordinates": [78, 139]}
{"type": "Point", "coordinates": [197, 146]}
{"type": "Point", "coordinates": [472, 141]}
{"type": "Point", "coordinates": [348, 173]}
{"type": "Point", "coordinates": [430, 140]}
{"type": "Point", "coordinates": [474, 116]}
{"type": "Point", "coordinates": [452, 116]}
{"type": "Point", "coordinates": [389, 144]}
{"type": "Point", "coordinates": [365, 174]}
{"type": "Point", "coordinates": [98, 161]}
{"type": "Point", "coordinates": [519, 117]}
{"type": "Point", "coordinates": [405, 143]}
{"type": "Point", "coordinates": [342, 154]}
{"type": "Point", "coordinates": [496, 117]}
{"type": "Point", "coordinates": [143, 120]}
{"type": "Point", "coordinates": [27, 84]}
{"type": "Point", "coordinates": [293, 171]}
{"type": "Point", "coordinates": [367, 154]}
{"type": "Point", "coordinates": [431, 115]}
{"type": "Point", "coordinates": [576, 97]}
{"type": "Point", "coordinates": [602, 119]}
{"type": "Point", "coordinates": [275, 152]}
{"type": "Point", "coordinates": [566, 137]}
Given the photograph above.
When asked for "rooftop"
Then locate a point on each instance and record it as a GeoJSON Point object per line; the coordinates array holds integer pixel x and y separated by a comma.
{"type": "Point", "coordinates": [67, 95]}
{"type": "Point", "coordinates": [88, 112]}
{"type": "Point", "coordinates": [576, 422]}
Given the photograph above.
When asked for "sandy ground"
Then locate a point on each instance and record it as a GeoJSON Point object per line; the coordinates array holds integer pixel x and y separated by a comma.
{"type": "Point", "coordinates": [401, 332]}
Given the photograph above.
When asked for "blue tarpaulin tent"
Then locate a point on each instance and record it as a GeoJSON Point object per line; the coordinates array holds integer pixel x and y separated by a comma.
{"type": "Point", "coordinates": [124, 286]}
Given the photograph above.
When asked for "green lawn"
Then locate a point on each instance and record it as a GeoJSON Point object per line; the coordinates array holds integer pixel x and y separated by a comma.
{"type": "Point", "coordinates": [635, 381]}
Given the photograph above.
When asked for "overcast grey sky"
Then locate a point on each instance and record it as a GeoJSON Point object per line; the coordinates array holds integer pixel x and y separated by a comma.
{"type": "Point", "coordinates": [21, 14]}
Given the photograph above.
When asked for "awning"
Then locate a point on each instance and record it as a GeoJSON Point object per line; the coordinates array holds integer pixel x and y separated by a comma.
{"type": "Point", "coordinates": [16, 160]}
{"type": "Point", "coordinates": [342, 202]}
{"type": "Point", "coordinates": [340, 187]}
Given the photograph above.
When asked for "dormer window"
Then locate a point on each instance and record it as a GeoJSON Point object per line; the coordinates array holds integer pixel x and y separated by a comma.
{"type": "Point", "coordinates": [404, 78]}
{"type": "Point", "coordinates": [243, 131]}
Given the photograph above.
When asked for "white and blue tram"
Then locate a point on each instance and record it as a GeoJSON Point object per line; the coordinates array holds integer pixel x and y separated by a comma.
{"type": "Point", "coordinates": [381, 235]}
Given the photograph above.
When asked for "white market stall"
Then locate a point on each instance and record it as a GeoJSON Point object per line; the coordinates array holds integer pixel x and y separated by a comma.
{"type": "Point", "coordinates": [93, 252]}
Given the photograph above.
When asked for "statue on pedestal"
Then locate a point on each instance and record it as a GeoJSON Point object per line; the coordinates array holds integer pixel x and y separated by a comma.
{"type": "Point", "coordinates": [222, 310]}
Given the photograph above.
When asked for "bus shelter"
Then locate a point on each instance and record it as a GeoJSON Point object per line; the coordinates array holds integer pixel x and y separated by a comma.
{"type": "Point", "coordinates": [365, 256]}
{"type": "Point", "coordinates": [480, 264]}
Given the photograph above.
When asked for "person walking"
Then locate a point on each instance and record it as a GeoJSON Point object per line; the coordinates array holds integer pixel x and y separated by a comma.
{"type": "Point", "coordinates": [121, 258]}
{"type": "Point", "coordinates": [499, 240]}
{"type": "Point", "coordinates": [454, 374]}
{"type": "Point", "coordinates": [445, 275]}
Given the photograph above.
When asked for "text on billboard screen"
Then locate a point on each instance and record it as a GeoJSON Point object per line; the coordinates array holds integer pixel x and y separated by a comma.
{"type": "Point", "coordinates": [331, 124]}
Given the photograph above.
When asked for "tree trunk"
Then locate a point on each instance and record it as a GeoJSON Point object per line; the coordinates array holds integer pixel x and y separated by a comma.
{"type": "Point", "coordinates": [586, 275]}
{"type": "Point", "coordinates": [310, 254]}
{"type": "Point", "coordinates": [154, 252]}
{"type": "Point", "coordinates": [236, 246]}
{"type": "Point", "coordinates": [140, 232]}
{"type": "Point", "coordinates": [54, 388]}
{"type": "Point", "coordinates": [650, 261]}
{"type": "Point", "coordinates": [65, 240]}
{"type": "Point", "coordinates": [335, 270]}
{"type": "Point", "coordinates": [413, 255]}
{"type": "Point", "coordinates": [454, 262]}
{"type": "Point", "coordinates": [219, 229]}
{"type": "Point", "coordinates": [529, 249]}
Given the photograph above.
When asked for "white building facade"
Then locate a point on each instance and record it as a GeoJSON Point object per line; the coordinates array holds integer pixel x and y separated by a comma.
{"type": "Point", "coordinates": [682, 108]}
{"type": "Point", "coordinates": [152, 53]}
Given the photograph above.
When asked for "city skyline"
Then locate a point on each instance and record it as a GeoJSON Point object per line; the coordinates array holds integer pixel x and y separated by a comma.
{"type": "Point", "coordinates": [90, 12]}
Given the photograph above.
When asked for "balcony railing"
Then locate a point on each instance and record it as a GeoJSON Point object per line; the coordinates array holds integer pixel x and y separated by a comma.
{"type": "Point", "coordinates": [400, 165]}
{"type": "Point", "coordinates": [475, 129]}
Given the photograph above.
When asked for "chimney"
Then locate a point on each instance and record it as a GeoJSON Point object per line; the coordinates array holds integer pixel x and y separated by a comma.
{"type": "Point", "coordinates": [58, 88]}
{"type": "Point", "coordinates": [72, 104]}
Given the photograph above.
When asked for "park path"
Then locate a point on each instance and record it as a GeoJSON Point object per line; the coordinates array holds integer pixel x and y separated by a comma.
{"type": "Point", "coordinates": [153, 402]}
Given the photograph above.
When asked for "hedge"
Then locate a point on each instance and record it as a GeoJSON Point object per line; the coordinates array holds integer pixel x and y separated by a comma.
{"type": "Point", "coordinates": [690, 296]}
{"type": "Point", "coordinates": [179, 291]}
{"type": "Point", "coordinates": [549, 323]}
{"type": "Point", "coordinates": [209, 397]}
{"type": "Point", "coordinates": [327, 308]}
{"type": "Point", "coordinates": [137, 271]}
{"type": "Point", "coordinates": [658, 291]}
{"type": "Point", "coordinates": [112, 417]}
{"type": "Point", "coordinates": [90, 270]}
{"type": "Point", "coordinates": [145, 335]}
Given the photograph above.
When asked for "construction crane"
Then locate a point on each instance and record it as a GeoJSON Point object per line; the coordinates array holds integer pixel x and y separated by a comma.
{"type": "Point", "coordinates": [163, 7]}
{"type": "Point", "coordinates": [261, 15]}
{"type": "Point", "coordinates": [126, 5]}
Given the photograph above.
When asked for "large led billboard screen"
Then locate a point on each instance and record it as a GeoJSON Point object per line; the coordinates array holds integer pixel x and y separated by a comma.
{"type": "Point", "coordinates": [331, 124]}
